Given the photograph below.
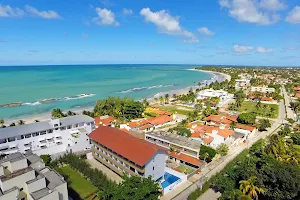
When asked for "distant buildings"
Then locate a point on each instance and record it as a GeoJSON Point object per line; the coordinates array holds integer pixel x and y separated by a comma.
{"type": "Point", "coordinates": [126, 154]}
{"type": "Point", "coordinates": [26, 177]}
{"type": "Point", "coordinates": [262, 89]}
{"type": "Point", "coordinates": [68, 134]}
{"type": "Point", "coordinates": [106, 120]}
{"type": "Point", "coordinates": [242, 84]}
{"type": "Point", "coordinates": [209, 93]}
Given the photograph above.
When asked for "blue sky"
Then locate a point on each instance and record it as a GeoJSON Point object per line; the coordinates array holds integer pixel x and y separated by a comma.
{"type": "Point", "coordinates": [237, 32]}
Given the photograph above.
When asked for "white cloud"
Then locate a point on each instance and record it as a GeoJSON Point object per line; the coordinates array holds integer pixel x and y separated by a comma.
{"type": "Point", "coordinates": [167, 24]}
{"type": "Point", "coordinates": [105, 17]}
{"type": "Point", "coordinates": [264, 50]}
{"type": "Point", "coordinates": [7, 11]}
{"type": "Point", "coordinates": [272, 5]}
{"type": "Point", "coordinates": [50, 14]}
{"type": "Point", "coordinates": [206, 31]}
{"type": "Point", "coordinates": [294, 16]}
{"type": "Point", "coordinates": [126, 11]}
{"type": "Point", "coordinates": [242, 48]}
{"type": "Point", "coordinates": [251, 11]}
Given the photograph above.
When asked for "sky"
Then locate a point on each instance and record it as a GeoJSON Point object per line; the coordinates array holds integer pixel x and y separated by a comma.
{"type": "Point", "coordinates": [217, 32]}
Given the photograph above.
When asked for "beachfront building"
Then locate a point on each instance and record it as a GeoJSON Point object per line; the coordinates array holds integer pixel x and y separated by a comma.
{"type": "Point", "coordinates": [181, 149]}
{"type": "Point", "coordinates": [242, 84]}
{"type": "Point", "coordinates": [56, 136]}
{"type": "Point", "coordinates": [126, 154]}
{"type": "Point", "coordinates": [209, 93]}
{"type": "Point", "coordinates": [262, 89]}
{"type": "Point", "coordinates": [211, 135]}
{"type": "Point", "coordinates": [26, 177]}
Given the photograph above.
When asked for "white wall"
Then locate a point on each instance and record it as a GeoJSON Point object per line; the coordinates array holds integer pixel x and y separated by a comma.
{"type": "Point", "coordinates": [18, 181]}
{"type": "Point", "coordinates": [158, 161]}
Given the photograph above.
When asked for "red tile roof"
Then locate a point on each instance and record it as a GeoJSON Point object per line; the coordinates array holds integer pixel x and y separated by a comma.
{"type": "Point", "coordinates": [160, 120]}
{"type": "Point", "coordinates": [245, 127]}
{"type": "Point", "coordinates": [208, 140]}
{"type": "Point", "coordinates": [298, 95]}
{"type": "Point", "coordinates": [136, 124]}
{"type": "Point", "coordinates": [228, 119]}
{"type": "Point", "coordinates": [225, 132]}
{"type": "Point", "coordinates": [134, 149]}
{"type": "Point", "coordinates": [146, 126]}
{"type": "Point", "coordinates": [161, 112]}
{"type": "Point", "coordinates": [186, 158]}
{"type": "Point", "coordinates": [267, 99]}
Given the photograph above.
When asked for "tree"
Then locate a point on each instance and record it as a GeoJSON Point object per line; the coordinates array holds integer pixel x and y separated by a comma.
{"type": "Point", "coordinates": [246, 118]}
{"type": "Point", "coordinates": [156, 99]}
{"type": "Point", "coordinates": [167, 98]}
{"type": "Point", "coordinates": [181, 131]}
{"type": "Point", "coordinates": [1, 122]}
{"type": "Point", "coordinates": [21, 122]}
{"type": "Point", "coordinates": [46, 158]}
{"type": "Point", "coordinates": [137, 188]}
{"type": "Point", "coordinates": [57, 113]}
{"type": "Point", "coordinates": [13, 124]}
{"type": "Point", "coordinates": [285, 130]}
{"type": "Point", "coordinates": [145, 103]}
{"type": "Point", "coordinates": [133, 109]}
{"type": "Point", "coordinates": [70, 113]}
{"type": "Point", "coordinates": [161, 99]}
{"type": "Point", "coordinates": [263, 124]}
{"type": "Point", "coordinates": [207, 153]}
{"type": "Point", "coordinates": [36, 120]}
{"type": "Point", "coordinates": [248, 187]}
{"type": "Point", "coordinates": [222, 149]}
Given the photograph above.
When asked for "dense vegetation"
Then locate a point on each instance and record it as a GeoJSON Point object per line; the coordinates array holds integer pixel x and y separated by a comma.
{"type": "Point", "coordinates": [131, 188]}
{"type": "Point", "coordinates": [207, 153]}
{"type": "Point", "coordinates": [120, 108]}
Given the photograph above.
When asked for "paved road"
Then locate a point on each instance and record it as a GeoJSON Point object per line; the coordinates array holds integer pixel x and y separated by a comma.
{"type": "Point", "coordinates": [290, 112]}
{"type": "Point", "coordinates": [217, 166]}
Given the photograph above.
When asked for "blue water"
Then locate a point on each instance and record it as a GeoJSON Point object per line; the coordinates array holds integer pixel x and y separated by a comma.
{"type": "Point", "coordinates": [31, 84]}
{"type": "Point", "coordinates": [169, 179]}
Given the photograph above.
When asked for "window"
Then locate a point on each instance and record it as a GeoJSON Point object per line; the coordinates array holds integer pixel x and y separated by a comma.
{"type": "Point", "coordinates": [11, 139]}
{"type": "Point", "coordinates": [153, 168]}
{"type": "Point", "coordinates": [50, 131]}
{"type": "Point", "coordinates": [28, 136]}
{"type": "Point", "coordinates": [43, 133]}
{"type": "Point", "coordinates": [35, 134]}
{"type": "Point", "coordinates": [69, 127]}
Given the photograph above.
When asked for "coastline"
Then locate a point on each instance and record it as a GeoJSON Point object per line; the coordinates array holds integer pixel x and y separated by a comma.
{"type": "Point", "coordinates": [217, 76]}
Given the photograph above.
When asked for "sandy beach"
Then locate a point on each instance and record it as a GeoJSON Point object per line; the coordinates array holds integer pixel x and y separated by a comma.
{"type": "Point", "coordinates": [46, 116]}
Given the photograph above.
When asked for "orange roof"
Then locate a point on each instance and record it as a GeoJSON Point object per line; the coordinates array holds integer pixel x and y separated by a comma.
{"type": "Point", "coordinates": [124, 130]}
{"type": "Point", "coordinates": [228, 119]}
{"type": "Point", "coordinates": [267, 99]}
{"type": "Point", "coordinates": [208, 140]}
{"type": "Point", "coordinates": [107, 121]}
{"type": "Point", "coordinates": [232, 117]}
{"type": "Point", "coordinates": [160, 120]}
{"type": "Point", "coordinates": [225, 132]}
{"type": "Point", "coordinates": [134, 149]}
{"type": "Point", "coordinates": [161, 112]}
{"type": "Point", "coordinates": [186, 158]}
{"type": "Point", "coordinates": [298, 95]}
{"type": "Point", "coordinates": [97, 120]}
{"type": "Point", "coordinates": [136, 124]}
{"type": "Point", "coordinates": [245, 127]}
{"type": "Point", "coordinates": [146, 126]}
{"type": "Point", "coordinates": [296, 88]}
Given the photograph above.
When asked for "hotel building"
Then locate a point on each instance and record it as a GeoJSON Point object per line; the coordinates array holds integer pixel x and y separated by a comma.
{"type": "Point", "coordinates": [126, 154]}
{"type": "Point", "coordinates": [26, 177]}
{"type": "Point", "coordinates": [68, 134]}
{"type": "Point", "coordinates": [262, 89]}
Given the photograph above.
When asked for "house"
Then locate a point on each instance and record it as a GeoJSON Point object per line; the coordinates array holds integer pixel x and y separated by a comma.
{"type": "Point", "coordinates": [244, 129]}
{"type": "Point", "coordinates": [106, 120]}
{"type": "Point", "coordinates": [210, 135]}
{"type": "Point", "coordinates": [216, 120]}
{"type": "Point", "coordinates": [56, 136]}
{"type": "Point", "coordinates": [242, 84]}
{"type": "Point", "coordinates": [179, 117]}
{"type": "Point", "coordinates": [178, 144]}
{"type": "Point", "coordinates": [27, 177]}
{"type": "Point", "coordinates": [268, 100]}
{"type": "Point", "coordinates": [262, 89]}
{"type": "Point", "coordinates": [209, 93]}
{"type": "Point", "coordinates": [126, 154]}
{"type": "Point", "coordinates": [160, 121]}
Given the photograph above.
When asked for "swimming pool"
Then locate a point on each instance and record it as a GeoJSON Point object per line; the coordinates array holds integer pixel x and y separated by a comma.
{"type": "Point", "coordinates": [168, 180]}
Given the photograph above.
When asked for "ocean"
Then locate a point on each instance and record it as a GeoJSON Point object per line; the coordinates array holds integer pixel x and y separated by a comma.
{"type": "Point", "coordinates": [39, 89]}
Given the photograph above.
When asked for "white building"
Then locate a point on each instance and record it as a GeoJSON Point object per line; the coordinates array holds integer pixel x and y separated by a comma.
{"type": "Point", "coordinates": [48, 137]}
{"type": "Point", "coordinates": [126, 154]}
{"type": "Point", "coordinates": [209, 93]}
{"type": "Point", "coordinates": [241, 84]}
{"type": "Point", "coordinates": [263, 89]}
{"type": "Point", "coordinates": [26, 177]}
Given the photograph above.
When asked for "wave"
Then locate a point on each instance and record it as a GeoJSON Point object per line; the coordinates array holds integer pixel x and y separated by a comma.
{"type": "Point", "coordinates": [50, 100]}
{"type": "Point", "coordinates": [146, 88]}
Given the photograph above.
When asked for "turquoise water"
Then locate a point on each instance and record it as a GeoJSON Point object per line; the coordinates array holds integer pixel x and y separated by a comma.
{"type": "Point", "coordinates": [31, 84]}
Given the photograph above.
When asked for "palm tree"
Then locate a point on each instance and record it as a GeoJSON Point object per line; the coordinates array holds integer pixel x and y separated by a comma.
{"type": "Point", "coordinates": [167, 98]}
{"type": "Point", "coordinates": [156, 99]}
{"type": "Point", "coordinates": [36, 120]}
{"type": "Point", "coordinates": [1, 122]}
{"type": "Point", "coordinates": [13, 124]}
{"type": "Point", "coordinates": [248, 187]}
{"type": "Point", "coordinates": [161, 99]}
{"type": "Point", "coordinates": [145, 102]}
{"type": "Point", "coordinates": [21, 122]}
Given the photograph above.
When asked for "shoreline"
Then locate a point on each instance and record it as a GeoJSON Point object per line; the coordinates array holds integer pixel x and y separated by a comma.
{"type": "Point", "coordinates": [217, 76]}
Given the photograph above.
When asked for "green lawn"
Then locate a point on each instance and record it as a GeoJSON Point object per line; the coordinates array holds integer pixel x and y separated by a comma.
{"type": "Point", "coordinates": [185, 169]}
{"type": "Point", "coordinates": [77, 183]}
{"type": "Point", "coordinates": [248, 106]}
{"type": "Point", "coordinates": [177, 109]}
